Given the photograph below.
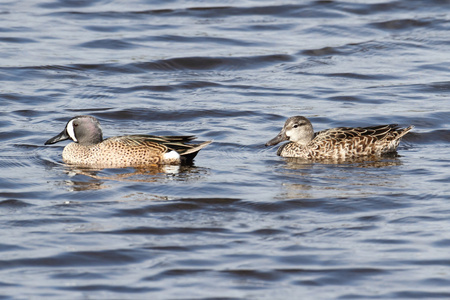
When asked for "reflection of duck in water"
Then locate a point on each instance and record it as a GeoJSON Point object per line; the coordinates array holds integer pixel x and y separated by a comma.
{"type": "Point", "coordinates": [90, 149]}
{"type": "Point", "coordinates": [336, 143]}
{"type": "Point", "coordinates": [87, 178]}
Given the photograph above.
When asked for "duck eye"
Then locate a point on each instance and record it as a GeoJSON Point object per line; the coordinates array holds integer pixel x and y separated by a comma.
{"type": "Point", "coordinates": [295, 126]}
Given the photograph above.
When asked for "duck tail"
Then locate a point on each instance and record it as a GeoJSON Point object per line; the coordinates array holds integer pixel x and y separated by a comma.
{"type": "Point", "coordinates": [404, 131]}
{"type": "Point", "coordinates": [191, 152]}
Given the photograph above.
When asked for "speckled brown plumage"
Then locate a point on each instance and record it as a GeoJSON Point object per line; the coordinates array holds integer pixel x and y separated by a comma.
{"type": "Point", "coordinates": [336, 143]}
{"type": "Point", "coordinates": [116, 152]}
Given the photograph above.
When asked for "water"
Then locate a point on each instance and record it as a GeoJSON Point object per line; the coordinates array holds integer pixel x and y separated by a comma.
{"type": "Point", "coordinates": [242, 223]}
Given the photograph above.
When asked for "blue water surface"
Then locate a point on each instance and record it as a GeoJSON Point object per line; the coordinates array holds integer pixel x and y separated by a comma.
{"type": "Point", "coordinates": [241, 223]}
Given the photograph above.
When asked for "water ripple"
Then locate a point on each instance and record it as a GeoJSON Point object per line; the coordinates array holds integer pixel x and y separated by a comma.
{"type": "Point", "coordinates": [213, 63]}
{"type": "Point", "coordinates": [240, 222]}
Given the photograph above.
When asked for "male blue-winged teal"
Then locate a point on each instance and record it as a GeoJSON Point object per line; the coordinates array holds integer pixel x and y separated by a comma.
{"type": "Point", "coordinates": [90, 149]}
{"type": "Point", "coordinates": [336, 143]}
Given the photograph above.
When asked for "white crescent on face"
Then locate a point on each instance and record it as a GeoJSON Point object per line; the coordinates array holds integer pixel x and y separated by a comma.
{"type": "Point", "coordinates": [71, 131]}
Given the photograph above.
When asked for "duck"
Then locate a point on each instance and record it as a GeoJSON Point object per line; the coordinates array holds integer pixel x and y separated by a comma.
{"type": "Point", "coordinates": [89, 149]}
{"type": "Point", "coordinates": [336, 143]}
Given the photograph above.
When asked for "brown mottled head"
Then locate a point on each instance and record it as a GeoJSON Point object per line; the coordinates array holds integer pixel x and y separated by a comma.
{"type": "Point", "coordinates": [297, 129]}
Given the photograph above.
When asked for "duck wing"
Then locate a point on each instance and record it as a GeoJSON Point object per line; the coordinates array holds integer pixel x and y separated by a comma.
{"type": "Point", "coordinates": [161, 144]}
{"type": "Point", "coordinates": [378, 132]}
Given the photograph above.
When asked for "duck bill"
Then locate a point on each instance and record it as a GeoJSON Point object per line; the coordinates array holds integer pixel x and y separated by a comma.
{"type": "Point", "coordinates": [278, 139]}
{"type": "Point", "coordinates": [60, 137]}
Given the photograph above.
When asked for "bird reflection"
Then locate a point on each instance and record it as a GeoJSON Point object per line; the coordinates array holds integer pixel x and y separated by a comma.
{"type": "Point", "coordinates": [366, 162]}
{"type": "Point", "coordinates": [303, 179]}
{"type": "Point", "coordinates": [97, 178]}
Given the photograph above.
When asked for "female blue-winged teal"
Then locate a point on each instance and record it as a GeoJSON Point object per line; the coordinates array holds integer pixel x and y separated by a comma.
{"type": "Point", "coordinates": [336, 143]}
{"type": "Point", "coordinates": [90, 149]}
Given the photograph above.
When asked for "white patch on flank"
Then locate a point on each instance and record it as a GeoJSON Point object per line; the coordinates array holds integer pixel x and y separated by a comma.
{"type": "Point", "coordinates": [172, 155]}
{"type": "Point", "coordinates": [71, 131]}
